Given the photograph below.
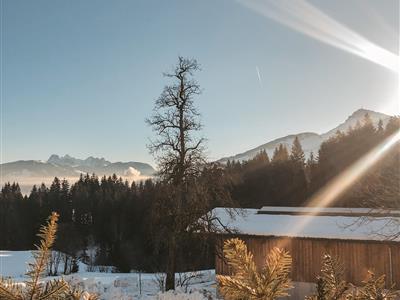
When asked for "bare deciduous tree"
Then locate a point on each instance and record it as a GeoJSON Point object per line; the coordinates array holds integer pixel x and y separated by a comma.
{"type": "Point", "coordinates": [188, 188]}
{"type": "Point", "coordinates": [176, 120]}
{"type": "Point", "coordinates": [179, 154]}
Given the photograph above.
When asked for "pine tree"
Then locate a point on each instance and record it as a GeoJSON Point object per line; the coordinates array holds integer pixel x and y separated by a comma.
{"type": "Point", "coordinates": [261, 157]}
{"type": "Point", "coordinates": [247, 282]}
{"type": "Point", "coordinates": [367, 121]}
{"type": "Point", "coordinates": [36, 289]}
{"type": "Point", "coordinates": [280, 154]}
{"type": "Point", "coordinates": [330, 285]}
{"type": "Point", "coordinates": [380, 129]}
{"type": "Point", "coordinates": [373, 288]}
{"type": "Point", "coordinates": [311, 161]}
{"type": "Point", "coordinates": [367, 127]}
{"type": "Point", "coordinates": [311, 167]}
{"type": "Point", "coordinates": [297, 153]}
{"type": "Point", "coordinates": [65, 202]}
{"type": "Point", "coordinates": [392, 126]}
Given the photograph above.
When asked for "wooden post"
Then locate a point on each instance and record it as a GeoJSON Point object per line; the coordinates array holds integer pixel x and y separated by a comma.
{"type": "Point", "coordinates": [390, 265]}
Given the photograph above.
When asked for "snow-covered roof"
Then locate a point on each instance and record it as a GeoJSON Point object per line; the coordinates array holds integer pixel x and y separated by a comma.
{"type": "Point", "coordinates": [257, 222]}
{"type": "Point", "coordinates": [328, 211]}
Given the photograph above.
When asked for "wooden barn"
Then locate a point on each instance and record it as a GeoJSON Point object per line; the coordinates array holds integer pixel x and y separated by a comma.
{"type": "Point", "coordinates": [363, 239]}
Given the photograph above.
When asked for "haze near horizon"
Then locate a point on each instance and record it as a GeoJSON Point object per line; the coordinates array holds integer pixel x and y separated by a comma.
{"type": "Point", "coordinates": [92, 70]}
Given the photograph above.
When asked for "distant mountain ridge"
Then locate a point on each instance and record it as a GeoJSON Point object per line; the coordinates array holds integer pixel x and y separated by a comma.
{"type": "Point", "coordinates": [29, 172]}
{"type": "Point", "coordinates": [68, 166]}
{"type": "Point", "coordinates": [310, 141]}
{"type": "Point", "coordinates": [71, 161]}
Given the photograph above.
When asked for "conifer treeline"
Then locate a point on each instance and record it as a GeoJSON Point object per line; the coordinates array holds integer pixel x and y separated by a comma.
{"type": "Point", "coordinates": [107, 216]}
{"type": "Point", "coordinates": [107, 221]}
{"type": "Point", "coordinates": [104, 221]}
{"type": "Point", "coordinates": [288, 179]}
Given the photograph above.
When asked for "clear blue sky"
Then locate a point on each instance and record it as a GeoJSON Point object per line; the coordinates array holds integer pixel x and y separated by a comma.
{"type": "Point", "coordinates": [80, 77]}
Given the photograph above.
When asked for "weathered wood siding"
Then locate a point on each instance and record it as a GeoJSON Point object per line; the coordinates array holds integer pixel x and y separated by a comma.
{"type": "Point", "coordinates": [357, 256]}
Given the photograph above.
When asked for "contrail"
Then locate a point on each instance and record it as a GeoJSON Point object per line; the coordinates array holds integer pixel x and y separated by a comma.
{"type": "Point", "coordinates": [303, 17]}
{"type": "Point", "coordinates": [259, 76]}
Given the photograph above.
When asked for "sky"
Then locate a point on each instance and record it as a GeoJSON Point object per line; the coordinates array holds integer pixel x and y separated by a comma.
{"type": "Point", "coordinates": [80, 77]}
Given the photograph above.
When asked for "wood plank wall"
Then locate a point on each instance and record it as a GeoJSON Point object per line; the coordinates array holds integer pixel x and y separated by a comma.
{"type": "Point", "coordinates": [357, 256]}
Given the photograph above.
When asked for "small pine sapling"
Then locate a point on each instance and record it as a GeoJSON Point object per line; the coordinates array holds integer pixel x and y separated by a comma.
{"type": "Point", "coordinates": [374, 288]}
{"type": "Point", "coordinates": [247, 282]}
{"type": "Point", "coordinates": [330, 285]}
{"type": "Point", "coordinates": [36, 289]}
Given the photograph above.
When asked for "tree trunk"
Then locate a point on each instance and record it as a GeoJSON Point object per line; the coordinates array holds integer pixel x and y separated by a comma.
{"type": "Point", "coordinates": [171, 265]}
{"type": "Point", "coordinates": [66, 264]}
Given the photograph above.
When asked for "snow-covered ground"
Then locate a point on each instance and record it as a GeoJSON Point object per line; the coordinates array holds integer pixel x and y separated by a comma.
{"type": "Point", "coordinates": [124, 286]}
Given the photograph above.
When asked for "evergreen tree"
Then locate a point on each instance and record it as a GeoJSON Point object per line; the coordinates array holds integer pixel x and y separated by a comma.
{"type": "Point", "coordinates": [297, 154]}
{"type": "Point", "coordinates": [280, 154]}
{"type": "Point", "coordinates": [261, 157]}
{"type": "Point", "coordinates": [374, 288]}
{"type": "Point", "coordinates": [12, 236]}
{"type": "Point", "coordinates": [65, 202]}
{"type": "Point", "coordinates": [332, 286]}
{"type": "Point", "coordinates": [380, 129]}
{"type": "Point", "coordinates": [311, 166]}
{"type": "Point", "coordinates": [35, 287]}
{"type": "Point", "coordinates": [54, 196]}
{"type": "Point", "coordinates": [247, 282]}
{"type": "Point", "coordinates": [392, 126]}
{"type": "Point", "coordinates": [341, 151]}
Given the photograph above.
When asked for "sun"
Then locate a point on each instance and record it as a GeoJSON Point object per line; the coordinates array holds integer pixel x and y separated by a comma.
{"type": "Point", "coordinates": [391, 105]}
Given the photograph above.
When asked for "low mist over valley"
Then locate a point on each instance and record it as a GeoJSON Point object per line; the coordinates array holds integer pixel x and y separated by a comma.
{"type": "Point", "coordinates": [32, 172]}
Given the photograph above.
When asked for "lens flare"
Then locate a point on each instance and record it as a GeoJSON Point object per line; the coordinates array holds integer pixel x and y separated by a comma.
{"type": "Point", "coordinates": [303, 17]}
{"type": "Point", "coordinates": [328, 194]}
{"type": "Point", "coordinates": [344, 180]}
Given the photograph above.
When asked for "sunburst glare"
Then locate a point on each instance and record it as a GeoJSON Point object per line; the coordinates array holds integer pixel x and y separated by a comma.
{"type": "Point", "coordinates": [337, 186]}
{"type": "Point", "coordinates": [305, 18]}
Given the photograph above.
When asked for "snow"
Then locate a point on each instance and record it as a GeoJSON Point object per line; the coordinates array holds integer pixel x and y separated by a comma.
{"type": "Point", "coordinates": [251, 222]}
{"type": "Point", "coordinates": [113, 286]}
{"type": "Point", "coordinates": [14, 263]}
{"type": "Point", "coordinates": [340, 211]}
{"type": "Point", "coordinates": [127, 286]}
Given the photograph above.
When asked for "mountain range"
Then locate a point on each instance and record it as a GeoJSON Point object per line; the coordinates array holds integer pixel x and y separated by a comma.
{"type": "Point", "coordinates": [28, 172]}
{"type": "Point", "coordinates": [310, 141]}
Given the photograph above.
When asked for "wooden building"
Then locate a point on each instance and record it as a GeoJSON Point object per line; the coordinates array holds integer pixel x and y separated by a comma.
{"type": "Point", "coordinates": [362, 239]}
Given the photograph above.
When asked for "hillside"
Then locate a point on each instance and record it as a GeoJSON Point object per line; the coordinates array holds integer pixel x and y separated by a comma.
{"type": "Point", "coordinates": [310, 141]}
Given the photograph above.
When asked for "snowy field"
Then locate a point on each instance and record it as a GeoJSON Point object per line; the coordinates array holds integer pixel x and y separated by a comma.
{"type": "Point", "coordinates": [125, 286]}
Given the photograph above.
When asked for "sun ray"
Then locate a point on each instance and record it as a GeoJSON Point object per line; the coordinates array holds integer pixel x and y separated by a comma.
{"type": "Point", "coordinates": [337, 186]}
{"type": "Point", "coordinates": [303, 17]}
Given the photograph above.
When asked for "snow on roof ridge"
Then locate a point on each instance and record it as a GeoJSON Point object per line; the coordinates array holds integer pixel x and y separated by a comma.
{"type": "Point", "coordinates": [334, 211]}
{"type": "Point", "coordinates": [348, 227]}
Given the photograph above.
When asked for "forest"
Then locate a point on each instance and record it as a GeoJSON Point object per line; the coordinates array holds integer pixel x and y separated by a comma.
{"type": "Point", "coordinates": [108, 221]}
